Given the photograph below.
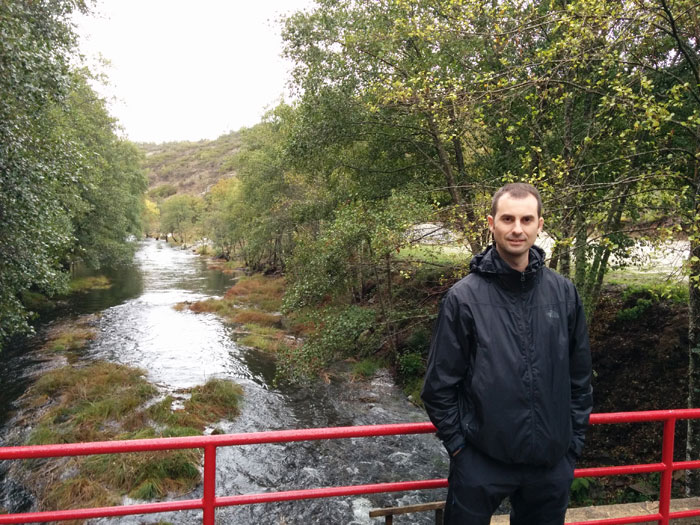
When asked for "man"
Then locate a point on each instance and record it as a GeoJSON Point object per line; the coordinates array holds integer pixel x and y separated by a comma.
{"type": "Point", "coordinates": [508, 378]}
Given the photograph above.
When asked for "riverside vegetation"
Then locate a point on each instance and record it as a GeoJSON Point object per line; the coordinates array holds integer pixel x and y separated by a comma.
{"type": "Point", "coordinates": [98, 401]}
{"type": "Point", "coordinates": [409, 115]}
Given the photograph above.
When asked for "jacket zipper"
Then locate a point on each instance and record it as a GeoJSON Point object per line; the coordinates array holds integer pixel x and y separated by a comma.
{"type": "Point", "coordinates": [529, 360]}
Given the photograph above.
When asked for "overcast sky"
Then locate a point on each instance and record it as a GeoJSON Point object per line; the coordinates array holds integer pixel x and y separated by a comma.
{"type": "Point", "coordinates": [184, 70]}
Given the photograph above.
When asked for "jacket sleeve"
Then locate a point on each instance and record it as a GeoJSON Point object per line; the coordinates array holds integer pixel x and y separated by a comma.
{"type": "Point", "coordinates": [580, 373]}
{"type": "Point", "coordinates": [447, 365]}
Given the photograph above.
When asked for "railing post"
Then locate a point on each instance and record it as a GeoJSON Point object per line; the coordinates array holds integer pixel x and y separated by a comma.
{"type": "Point", "coordinates": [209, 491]}
{"type": "Point", "coordinates": [667, 474]}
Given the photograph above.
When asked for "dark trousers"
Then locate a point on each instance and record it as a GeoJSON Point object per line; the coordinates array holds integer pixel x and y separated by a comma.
{"type": "Point", "coordinates": [478, 484]}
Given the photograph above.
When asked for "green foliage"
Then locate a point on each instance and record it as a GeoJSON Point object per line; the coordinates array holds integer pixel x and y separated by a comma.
{"type": "Point", "coordinates": [222, 216]}
{"type": "Point", "coordinates": [644, 296]}
{"type": "Point", "coordinates": [70, 189]}
{"type": "Point", "coordinates": [344, 332]}
{"type": "Point", "coordinates": [161, 192]}
{"type": "Point", "coordinates": [35, 175]}
{"type": "Point", "coordinates": [83, 284]}
{"type": "Point", "coordinates": [581, 491]}
{"type": "Point", "coordinates": [636, 311]}
{"type": "Point", "coordinates": [188, 167]}
{"type": "Point", "coordinates": [675, 293]}
{"type": "Point", "coordinates": [179, 215]}
{"type": "Point", "coordinates": [112, 186]}
{"type": "Point", "coordinates": [366, 368]}
{"type": "Point", "coordinates": [411, 365]}
{"type": "Point", "coordinates": [354, 248]}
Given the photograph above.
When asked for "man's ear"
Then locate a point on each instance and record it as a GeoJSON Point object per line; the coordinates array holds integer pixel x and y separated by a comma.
{"type": "Point", "coordinates": [540, 224]}
{"type": "Point", "coordinates": [490, 221]}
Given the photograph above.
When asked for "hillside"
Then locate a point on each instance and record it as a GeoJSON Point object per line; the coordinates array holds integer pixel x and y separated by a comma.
{"type": "Point", "coordinates": [189, 167]}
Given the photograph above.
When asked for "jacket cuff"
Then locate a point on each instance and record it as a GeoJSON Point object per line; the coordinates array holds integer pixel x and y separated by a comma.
{"type": "Point", "coordinates": [454, 444]}
{"type": "Point", "coordinates": [575, 448]}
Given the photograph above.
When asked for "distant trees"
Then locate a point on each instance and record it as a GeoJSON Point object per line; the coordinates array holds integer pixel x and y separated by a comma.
{"type": "Point", "coordinates": [223, 221]}
{"type": "Point", "coordinates": [70, 188]}
{"type": "Point", "coordinates": [179, 215]}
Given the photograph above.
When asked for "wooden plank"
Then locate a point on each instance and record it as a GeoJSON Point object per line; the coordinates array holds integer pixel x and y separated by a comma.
{"type": "Point", "coordinates": [406, 509]}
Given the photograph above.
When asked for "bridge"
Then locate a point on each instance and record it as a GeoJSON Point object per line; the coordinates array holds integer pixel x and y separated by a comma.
{"type": "Point", "coordinates": [210, 501]}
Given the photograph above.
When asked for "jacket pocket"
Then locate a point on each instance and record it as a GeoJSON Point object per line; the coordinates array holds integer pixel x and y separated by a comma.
{"type": "Point", "coordinates": [467, 417]}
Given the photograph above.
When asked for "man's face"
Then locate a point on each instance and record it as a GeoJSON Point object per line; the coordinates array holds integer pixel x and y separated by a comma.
{"type": "Point", "coordinates": [515, 228]}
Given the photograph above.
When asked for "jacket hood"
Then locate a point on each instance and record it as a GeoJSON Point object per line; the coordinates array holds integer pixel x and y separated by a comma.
{"type": "Point", "coordinates": [489, 264]}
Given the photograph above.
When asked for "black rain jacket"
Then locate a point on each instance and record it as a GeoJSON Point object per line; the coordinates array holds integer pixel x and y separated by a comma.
{"type": "Point", "coordinates": [509, 370]}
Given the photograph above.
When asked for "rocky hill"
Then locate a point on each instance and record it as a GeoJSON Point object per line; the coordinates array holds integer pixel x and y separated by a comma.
{"type": "Point", "coordinates": [189, 167]}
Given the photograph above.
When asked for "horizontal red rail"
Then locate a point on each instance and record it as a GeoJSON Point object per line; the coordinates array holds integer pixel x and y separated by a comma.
{"type": "Point", "coordinates": [210, 502]}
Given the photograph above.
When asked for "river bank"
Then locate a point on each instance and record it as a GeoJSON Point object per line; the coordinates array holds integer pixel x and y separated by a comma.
{"type": "Point", "coordinates": [181, 349]}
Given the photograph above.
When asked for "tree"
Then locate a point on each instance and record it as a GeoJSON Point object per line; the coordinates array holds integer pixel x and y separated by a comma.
{"type": "Point", "coordinates": [382, 80]}
{"type": "Point", "coordinates": [223, 216]}
{"type": "Point", "coordinates": [70, 188]}
{"type": "Point", "coordinates": [151, 218]}
{"type": "Point", "coordinates": [111, 181]}
{"type": "Point", "coordinates": [179, 215]}
{"type": "Point", "coordinates": [37, 164]}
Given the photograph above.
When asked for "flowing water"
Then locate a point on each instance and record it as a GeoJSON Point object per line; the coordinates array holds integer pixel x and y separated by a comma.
{"type": "Point", "coordinates": [138, 326]}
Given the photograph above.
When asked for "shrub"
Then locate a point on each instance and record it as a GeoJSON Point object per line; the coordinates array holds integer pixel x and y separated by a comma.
{"type": "Point", "coordinates": [411, 365]}
{"type": "Point", "coordinates": [162, 192]}
{"type": "Point", "coordinates": [366, 368]}
{"type": "Point", "coordinates": [635, 312]}
{"type": "Point", "coordinates": [344, 332]}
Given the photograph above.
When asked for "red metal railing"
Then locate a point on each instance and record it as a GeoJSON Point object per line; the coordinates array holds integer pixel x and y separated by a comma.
{"type": "Point", "coordinates": [209, 501]}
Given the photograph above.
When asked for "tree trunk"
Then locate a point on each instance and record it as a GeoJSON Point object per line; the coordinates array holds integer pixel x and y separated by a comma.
{"type": "Point", "coordinates": [554, 259]}
{"type": "Point", "coordinates": [453, 189]}
{"type": "Point", "coordinates": [693, 443]}
{"type": "Point", "coordinates": [580, 249]}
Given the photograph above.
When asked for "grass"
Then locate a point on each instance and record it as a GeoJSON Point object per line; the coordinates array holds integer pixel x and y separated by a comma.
{"type": "Point", "coordinates": [214, 400]}
{"type": "Point", "coordinates": [253, 302]}
{"type": "Point", "coordinates": [424, 264]}
{"type": "Point", "coordinates": [217, 306]}
{"type": "Point", "coordinates": [70, 339]}
{"type": "Point", "coordinates": [257, 318]}
{"type": "Point", "coordinates": [105, 401]}
{"type": "Point", "coordinates": [259, 291]}
{"type": "Point", "coordinates": [412, 388]}
{"type": "Point", "coordinates": [366, 368]}
{"type": "Point", "coordinates": [227, 267]}
{"type": "Point", "coordinates": [448, 256]}
{"type": "Point", "coordinates": [145, 475]}
{"type": "Point", "coordinates": [87, 400]}
{"type": "Point", "coordinates": [83, 284]}
{"type": "Point", "coordinates": [266, 338]}
{"type": "Point", "coordinates": [65, 493]}
{"type": "Point", "coordinates": [261, 342]}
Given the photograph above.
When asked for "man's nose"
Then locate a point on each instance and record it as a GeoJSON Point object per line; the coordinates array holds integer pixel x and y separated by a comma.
{"type": "Point", "coordinates": [517, 227]}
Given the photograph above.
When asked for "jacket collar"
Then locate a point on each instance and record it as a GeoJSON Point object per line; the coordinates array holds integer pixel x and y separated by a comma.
{"type": "Point", "coordinates": [489, 264]}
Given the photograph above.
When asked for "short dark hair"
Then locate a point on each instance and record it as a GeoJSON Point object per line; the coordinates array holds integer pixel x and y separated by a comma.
{"type": "Point", "coordinates": [517, 190]}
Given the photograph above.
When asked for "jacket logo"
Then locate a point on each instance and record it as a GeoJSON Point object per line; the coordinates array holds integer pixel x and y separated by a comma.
{"type": "Point", "coordinates": [552, 314]}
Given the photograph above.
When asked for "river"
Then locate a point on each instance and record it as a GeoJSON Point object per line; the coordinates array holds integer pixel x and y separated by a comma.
{"type": "Point", "coordinates": [138, 326]}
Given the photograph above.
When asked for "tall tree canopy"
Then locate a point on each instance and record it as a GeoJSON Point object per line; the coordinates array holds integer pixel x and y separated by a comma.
{"type": "Point", "coordinates": [70, 188]}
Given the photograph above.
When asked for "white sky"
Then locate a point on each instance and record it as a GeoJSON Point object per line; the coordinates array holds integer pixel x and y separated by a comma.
{"type": "Point", "coordinates": [186, 70]}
